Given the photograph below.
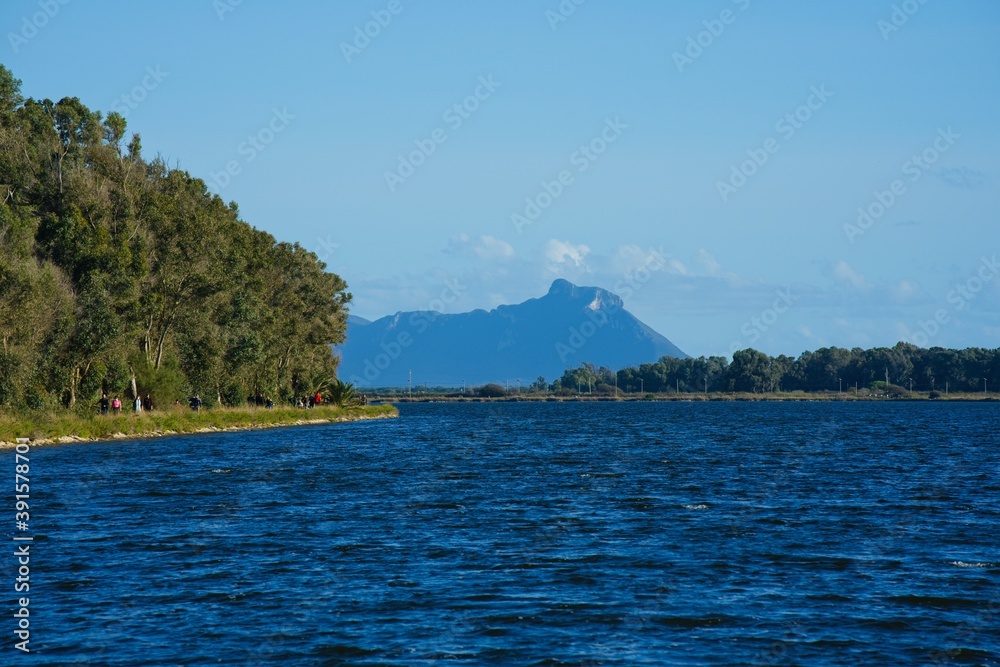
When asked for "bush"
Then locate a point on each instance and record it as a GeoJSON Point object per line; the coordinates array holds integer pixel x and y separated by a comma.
{"type": "Point", "coordinates": [233, 394]}
{"type": "Point", "coordinates": [342, 393]}
{"type": "Point", "coordinates": [164, 385]}
{"type": "Point", "coordinates": [491, 391]}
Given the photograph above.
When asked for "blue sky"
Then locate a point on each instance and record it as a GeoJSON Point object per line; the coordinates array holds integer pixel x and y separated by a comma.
{"type": "Point", "coordinates": [714, 155]}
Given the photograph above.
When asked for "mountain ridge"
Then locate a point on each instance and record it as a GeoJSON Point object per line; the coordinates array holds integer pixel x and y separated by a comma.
{"type": "Point", "coordinates": [542, 336]}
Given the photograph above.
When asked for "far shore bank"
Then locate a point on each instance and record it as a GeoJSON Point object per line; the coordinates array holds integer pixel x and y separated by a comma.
{"type": "Point", "coordinates": [63, 427]}
{"type": "Point", "coordinates": [801, 397]}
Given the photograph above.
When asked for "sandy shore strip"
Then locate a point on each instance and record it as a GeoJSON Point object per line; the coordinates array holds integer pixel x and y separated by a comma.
{"type": "Point", "coordinates": [249, 425]}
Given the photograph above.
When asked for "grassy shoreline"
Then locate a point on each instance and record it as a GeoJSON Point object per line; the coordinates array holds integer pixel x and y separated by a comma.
{"type": "Point", "coordinates": [64, 426]}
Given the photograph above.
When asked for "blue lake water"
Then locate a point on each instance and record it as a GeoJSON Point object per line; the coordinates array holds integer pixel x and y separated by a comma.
{"type": "Point", "coordinates": [530, 534]}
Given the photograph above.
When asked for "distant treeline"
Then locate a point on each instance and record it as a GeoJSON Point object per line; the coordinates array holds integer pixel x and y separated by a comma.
{"type": "Point", "coordinates": [119, 275]}
{"type": "Point", "coordinates": [826, 369]}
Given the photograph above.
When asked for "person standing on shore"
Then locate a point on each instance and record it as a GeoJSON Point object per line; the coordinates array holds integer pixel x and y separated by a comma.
{"type": "Point", "coordinates": [137, 404]}
{"type": "Point", "coordinates": [104, 404]}
{"type": "Point", "coordinates": [147, 403]}
{"type": "Point", "coordinates": [116, 405]}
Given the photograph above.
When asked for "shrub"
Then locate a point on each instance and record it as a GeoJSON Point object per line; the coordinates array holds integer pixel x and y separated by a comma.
{"type": "Point", "coordinates": [491, 390]}
{"type": "Point", "coordinates": [342, 393]}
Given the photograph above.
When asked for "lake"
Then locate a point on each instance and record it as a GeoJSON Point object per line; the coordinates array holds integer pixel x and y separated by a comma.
{"type": "Point", "coordinates": [530, 534]}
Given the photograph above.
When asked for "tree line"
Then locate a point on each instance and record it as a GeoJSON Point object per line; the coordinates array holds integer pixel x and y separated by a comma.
{"type": "Point", "coordinates": [121, 275]}
{"type": "Point", "coordinates": [828, 369]}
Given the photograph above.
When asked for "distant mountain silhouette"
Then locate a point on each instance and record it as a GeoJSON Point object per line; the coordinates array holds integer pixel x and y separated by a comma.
{"type": "Point", "coordinates": [543, 336]}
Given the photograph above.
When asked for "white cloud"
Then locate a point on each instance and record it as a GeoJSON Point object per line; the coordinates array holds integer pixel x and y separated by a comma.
{"type": "Point", "coordinates": [905, 291]}
{"type": "Point", "coordinates": [482, 248]}
{"type": "Point", "coordinates": [628, 258]}
{"type": "Point", "coordinates": [708, 260]}
{"type": "Point", "coordinates": [561, 253]}
{"type": "Point", "coordinates": [493, 248]}
{"type": "Point", "coordinates": [843, 272]}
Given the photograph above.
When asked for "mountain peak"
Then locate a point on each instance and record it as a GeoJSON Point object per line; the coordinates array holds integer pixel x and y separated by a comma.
{"type": "Point", "coordinates": [561, 286]}
{"type": "Point", "coordinates": [569, 325]}
{"type": "Point", "coordinates": [594, 298]}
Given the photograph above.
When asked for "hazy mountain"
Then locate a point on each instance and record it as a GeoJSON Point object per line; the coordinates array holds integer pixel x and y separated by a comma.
{"type": "Point", "coordinates": [543, 336]}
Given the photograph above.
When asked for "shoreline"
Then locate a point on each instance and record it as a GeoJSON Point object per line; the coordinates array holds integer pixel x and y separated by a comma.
{"type": "Point", "coordinates": [693, 398]}
{"type": "Point", "coordinates": [58, 429]}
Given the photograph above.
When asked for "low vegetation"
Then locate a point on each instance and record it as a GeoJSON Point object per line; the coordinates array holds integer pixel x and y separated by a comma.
{"type": "Point", "coordinates": [54, 424]}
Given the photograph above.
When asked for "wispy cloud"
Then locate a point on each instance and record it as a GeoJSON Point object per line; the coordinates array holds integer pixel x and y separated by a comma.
{"type": "Point", "coordinates": [906, 291]}
{"type": "Point", "coordinates": [843, 272]}
{"type": "Point", "coordinates": [482, 248]}
{"type": "Point", "coordinates": [563, 253]}
{"type": "Point", "coordinates": [962, 177]}
{"type": "Point", "coordinates": [709, 262]}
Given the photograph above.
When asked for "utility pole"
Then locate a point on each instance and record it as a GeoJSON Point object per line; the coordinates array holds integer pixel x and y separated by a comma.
{"type": "Point", "coordinates": [706, 384]}
{"type": "Point", "coordinates": [911, 385]}
{"type": "Point", "coordinates": [678, 385]}
{"type": "Point", "coordinates": [642, 389]}
{"type": "Point", "coordinates": [409, 386]}
{"type": "Point", "coordinates": [518, 385]}
{"type": "Point", "coordinates": [841, 381]}
{"type": "Point", "coordinates": [984, 386]}
{"type": "Point", "coordinates": [463, 387]}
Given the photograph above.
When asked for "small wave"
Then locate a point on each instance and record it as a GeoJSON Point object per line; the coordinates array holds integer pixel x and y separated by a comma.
{"type": "Point", "coordinates": [958, 563]}
{"type": "Point", "coordinates": [933, 601]}
{"type": "Point", "coordinates": [220, 471]}
{"type": "Point", "coordinates": [696, 507]}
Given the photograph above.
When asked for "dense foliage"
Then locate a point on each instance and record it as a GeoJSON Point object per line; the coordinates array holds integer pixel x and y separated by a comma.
{"type": "Point", "coordinates": [826, 369]}
{"type": "Point", "coordinates": [119, 274]}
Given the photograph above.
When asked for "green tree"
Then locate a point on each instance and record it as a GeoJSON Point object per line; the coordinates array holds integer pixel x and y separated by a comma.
{"type": "Point", "coordinates": [491, 391]}
{"type": "Point", "coordinates": [750, 371]}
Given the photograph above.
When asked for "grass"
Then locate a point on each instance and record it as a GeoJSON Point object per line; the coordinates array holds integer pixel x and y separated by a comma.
{"type": "Point", "coordinates": [52, 425]}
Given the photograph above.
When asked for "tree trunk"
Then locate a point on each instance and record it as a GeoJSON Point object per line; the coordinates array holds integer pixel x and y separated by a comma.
{"type": "Point", "coordinates": [74, 374]}
{"type": "Point", "coordinates": [147, 341]}
{"type": "Point", "coordinates": [159, 348]}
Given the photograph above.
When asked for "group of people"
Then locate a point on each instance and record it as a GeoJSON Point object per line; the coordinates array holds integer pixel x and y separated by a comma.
{"type": "Point", "coordinates": [309, 401]}
{"type": "Point", "coordinates": [261, 401]}
{"type": "Point", "coordinates": [115, 404]}
{"type": "Point", "coordinates": [146, 404]}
